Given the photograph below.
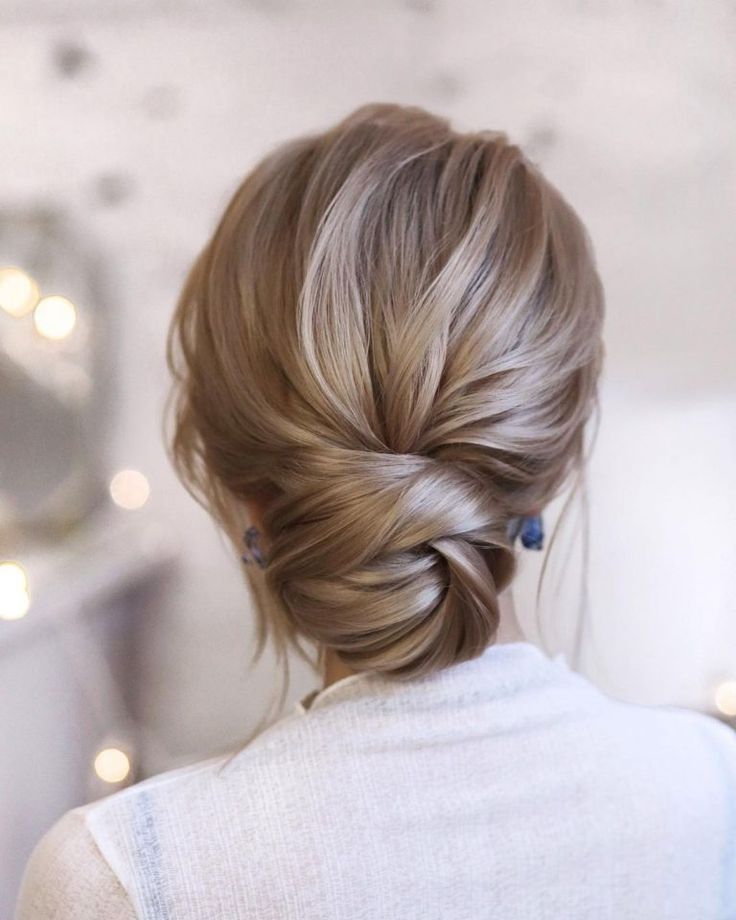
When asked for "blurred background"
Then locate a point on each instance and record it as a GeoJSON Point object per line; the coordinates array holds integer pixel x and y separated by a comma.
{"type": "Point", "coordinates": [125, 625]}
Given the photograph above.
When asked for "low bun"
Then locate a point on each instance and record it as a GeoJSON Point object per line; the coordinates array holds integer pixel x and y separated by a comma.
{"type": "Point", "coordinates": [394, 334]}
{"type": "Point", "coordinates": [395, 561]}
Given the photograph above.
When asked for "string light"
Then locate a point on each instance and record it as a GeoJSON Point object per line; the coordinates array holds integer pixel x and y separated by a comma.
{"type": "Point", "coordinates": [14, 598]}
{"type": "Point", "coordinates": [112, 765]}
{"type": "Point", "coordinates": [18, 291]}
{"type": "Point", "coordinates": [55, 317]}
{"type": "Point", "coordinates": [726, 698]}
{"type": "Point", "coordinates": [129, 489]}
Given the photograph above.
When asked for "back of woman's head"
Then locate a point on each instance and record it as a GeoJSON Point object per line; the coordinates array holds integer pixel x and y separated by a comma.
{"type": "Point", "coordinates": [393, 341]}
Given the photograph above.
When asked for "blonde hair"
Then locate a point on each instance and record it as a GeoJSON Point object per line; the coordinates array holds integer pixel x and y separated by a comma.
{"type": "Point", "coordinates": [393, 339]}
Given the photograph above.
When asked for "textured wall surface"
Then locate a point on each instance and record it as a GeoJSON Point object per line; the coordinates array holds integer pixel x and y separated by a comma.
{"type": "Point", "coordinates": [140, 119]}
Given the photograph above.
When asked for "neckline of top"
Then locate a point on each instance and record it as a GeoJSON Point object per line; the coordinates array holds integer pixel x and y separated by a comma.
{"type": "Point", "coordinates": [499, 665]}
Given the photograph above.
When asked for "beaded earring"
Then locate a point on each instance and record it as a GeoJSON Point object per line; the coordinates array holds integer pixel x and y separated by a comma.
{"type": "Point", "coordinates": [531, 530]}
{"type": "Point", "coordinates": [253, 551]}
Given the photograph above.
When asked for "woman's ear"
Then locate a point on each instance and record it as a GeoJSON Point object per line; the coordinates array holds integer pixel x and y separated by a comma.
{"type": "Point", "coordinates": [256, 506]}
{"type": "Point", "coordinates": [255, 510]}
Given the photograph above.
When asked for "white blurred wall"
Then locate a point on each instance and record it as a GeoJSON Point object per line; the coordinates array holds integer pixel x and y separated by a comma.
{"type": "Point", "coordinates": [141, 118]}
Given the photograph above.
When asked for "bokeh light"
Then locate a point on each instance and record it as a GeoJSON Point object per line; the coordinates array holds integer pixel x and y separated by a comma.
{"type": "Point", "coordinates": [15, 600]}
{"type": "Point", "coordinates": [129, 489]}
{"type": "Point", "coordinates": [726, 698]}
{"type": "Point", "coordinates": [18, 291]}
{"type": "Point", "coordinates": [112, 765]}
{"type": "Point", "coordinates": [55, 317]}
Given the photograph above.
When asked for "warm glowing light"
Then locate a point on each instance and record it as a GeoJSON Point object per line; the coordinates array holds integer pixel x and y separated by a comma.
{"type": "Point", "coordinates": [112, 765]}
{"type": "Point", "coordinates": [14, 598]}
{"type": "Point", "coordinates": [18, 291]}
{"type": "Point", "coordinates": [726, 697]}
{"type": "Point", "coordinates": [129, 489]}
{"type": "Point", "coordinates": [55, 317]}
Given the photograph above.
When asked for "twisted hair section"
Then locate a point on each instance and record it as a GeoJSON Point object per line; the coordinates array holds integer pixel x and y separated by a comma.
{"type": "Point", "coordinates": [394, 339]}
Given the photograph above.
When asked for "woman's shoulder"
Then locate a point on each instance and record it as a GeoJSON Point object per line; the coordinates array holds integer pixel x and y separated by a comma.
{"type": "Point", "coordinates": [685, 758]}
{"type": "Point", "coordinates": [674, 727]}
{"type": "Point", "coordinates": [68, 877]}
{"type": "Point", "coordinates": [75, 872]}
{"type": "Point", "coordinates": [667, 725]}
{"type": "Point", "coordinates": [716, 743]}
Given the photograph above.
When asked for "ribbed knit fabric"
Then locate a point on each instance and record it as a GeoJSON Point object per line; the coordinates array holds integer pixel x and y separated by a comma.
{"type": "Point", "coordinates": [504, 787]}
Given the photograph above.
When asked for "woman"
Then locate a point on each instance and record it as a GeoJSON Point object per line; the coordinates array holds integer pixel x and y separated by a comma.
{"type": "Point", "coordinates": [385, 360]}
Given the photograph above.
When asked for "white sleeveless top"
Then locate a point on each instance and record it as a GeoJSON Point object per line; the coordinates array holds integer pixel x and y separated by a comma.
{"type": "Point", "coordinates": [504, 787]}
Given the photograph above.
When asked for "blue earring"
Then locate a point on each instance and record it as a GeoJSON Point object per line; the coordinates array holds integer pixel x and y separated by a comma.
{"type": "Point", "coordinates": [250, 538]}
{"type": "Point", "coordinates": [531, 530]}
